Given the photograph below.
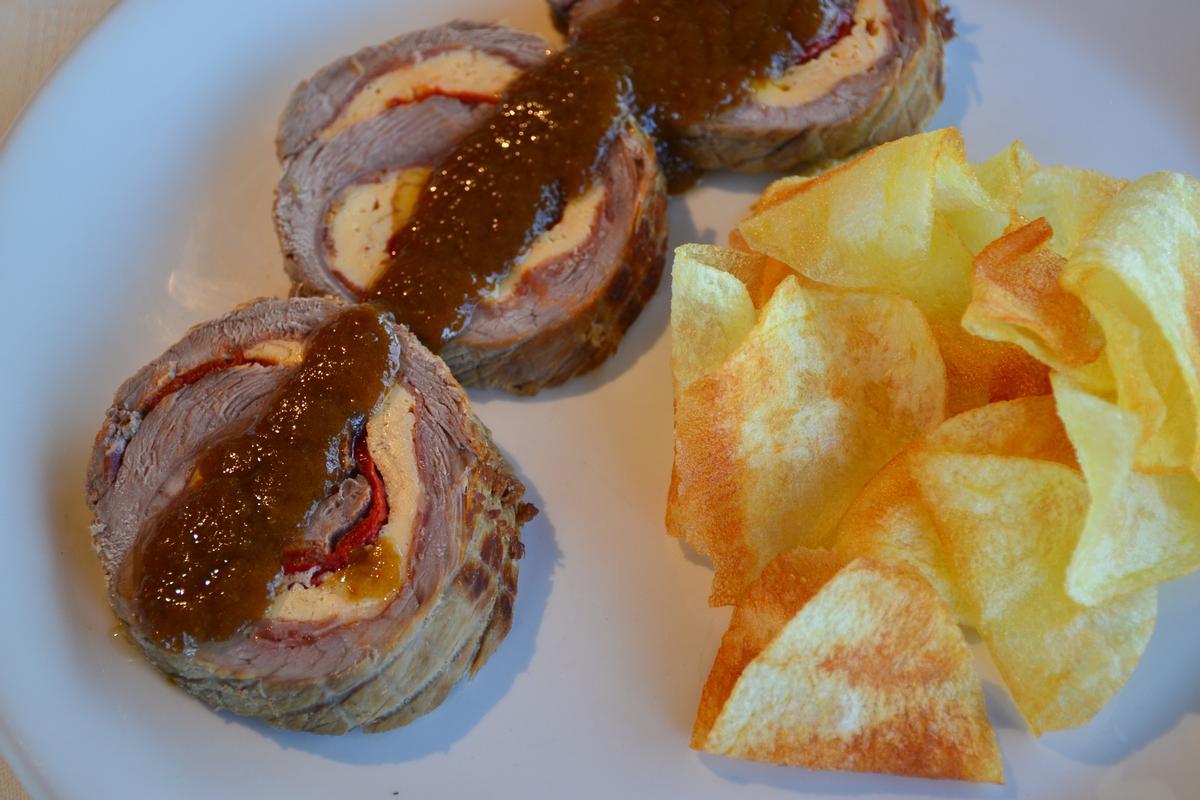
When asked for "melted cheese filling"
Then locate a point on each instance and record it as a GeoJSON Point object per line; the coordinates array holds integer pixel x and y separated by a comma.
{"type": "Point", "coordinates": [288, 352]}
{"type": "Point", "coordinates": [855, 52]}
{"type": "Point", "coordinates": [361, 222]}
{"type": "Point", "coordinates": [390, 440]}
{"type": "Point", "coordinates": [456, 72]}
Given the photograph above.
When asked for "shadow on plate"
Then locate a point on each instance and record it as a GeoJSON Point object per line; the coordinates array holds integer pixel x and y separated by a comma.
{"type": "Point", "coordinates": [850, 784]}
{"type": "Point", "coordinates": [962, 85]}
{"type": "Point", "coordinates": [471, 700]}
{"type": "Point", "coordinates": [650, 325]}
{"type": "Point", "coordinates": [642, 335]}
{"type": "Point", "coordinates": [83, 594]}
{"type": "Point", "coordinates": [1158, 695]}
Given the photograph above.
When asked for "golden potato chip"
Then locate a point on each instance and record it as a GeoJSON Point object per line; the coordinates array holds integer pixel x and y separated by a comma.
{"type": "Point", "coordinates": [711, 314]}
{"type": "Point", "coordinates": [758, 273]}
{"type": "Point", "coordinates": [860, 668]}
{"type": "Point", "coordinates": [979, 371]}
{"type": "Point", "coordinates": [1138, 272]}
{"type": "Point", "coordinates": [873, 223]}
{"type": "Point", "coordinates": [1028, 427]}
{"type": "Point", "coordinates": [906, 219]}
{"type": "Point", "coordinates": [777, 432]}
{"type": "Point", "coordinates": [1017, 298]}
{"type": "Point", "coordinates": [889, 521]}
{"type": "Point", "coordinates": [1005, 174]}
{"type": "Point", "coordinates": [787, 583]}
{"type": "Point", "coordinates": [1141, 529]}
{"type": "Point", "coordinates": [1070, 199]}
{"type": "Point", "coordinates": [1010, 526]}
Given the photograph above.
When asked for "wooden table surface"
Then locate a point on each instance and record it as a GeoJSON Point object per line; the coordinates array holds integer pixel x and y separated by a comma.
{"type": "Point", "coordinates": [34, 37]}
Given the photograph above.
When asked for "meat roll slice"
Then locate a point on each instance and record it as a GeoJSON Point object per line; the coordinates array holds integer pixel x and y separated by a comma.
{"type": "Point", "coordinates": [406, 573]}
{"type": "Point", "coordinates": [880, 81]}
{"type": "Point", "coordinates": [470, 62]}
{"type": "Point", "coordinates": [578, 287]}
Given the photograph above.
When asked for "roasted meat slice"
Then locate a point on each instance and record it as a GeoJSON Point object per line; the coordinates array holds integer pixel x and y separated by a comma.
{"type": "Point", "coordinates": [880, 81]}
{"type": "Point", "coordinates": [424, 499]}
{"type": "Point", "coordinates": [470, 62]}
{"type": "Point", "coordinates": [349, 187]}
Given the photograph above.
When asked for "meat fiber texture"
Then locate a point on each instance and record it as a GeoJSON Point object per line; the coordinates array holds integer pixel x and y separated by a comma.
{"type": "Point", "coordinates": [563, 316]}
{"type": "Point", "coordinates": [379, 672]}
{"type": "Point", "coordinates": [893, 94]}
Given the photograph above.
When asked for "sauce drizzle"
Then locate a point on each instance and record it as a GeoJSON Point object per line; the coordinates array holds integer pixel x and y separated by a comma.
{"type": "Point", "coordinates": [660, 64]}
{"type": "Point", "coordinates": [207, 564]}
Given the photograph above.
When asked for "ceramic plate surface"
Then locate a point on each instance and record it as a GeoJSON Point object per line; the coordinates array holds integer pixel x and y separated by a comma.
{"type": "Point", "coordinates": [135, 199]}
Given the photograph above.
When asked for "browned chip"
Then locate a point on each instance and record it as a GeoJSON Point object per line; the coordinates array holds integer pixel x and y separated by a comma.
{"type": "Point", "coordinates": [1017, 298]}
{"type": "Point", "coordinates": [859, 668]}
{"type": "Point", "coordinates": [784, 412]}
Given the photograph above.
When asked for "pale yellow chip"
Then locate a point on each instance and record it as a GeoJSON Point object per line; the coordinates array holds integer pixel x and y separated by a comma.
{"type": "Point", "coordinates": [859, 668]}
{"type": "Point", "coordinates": [1070, 199]}
{"type": "Point", "coordinates": [907, 218]}
{"type": "Point", "coordinates": [1010, 526]}
{"type": "Point", "coordinates": [889, 520]}
{"type": "Point", "coordinates": [758, 273]}
{"type": "Point", "coordinates": [1017, 298]}
{"type": "Point", "coordinates": [1005, 175]}
{"type": "Point", "coordinates": [1027, 427]}
{"type": "Point", "coordinates": [1141, 529]}
{"type": "Point", "coordinates": [779, 425]}
{"type": "Point", "coordinates": [872, 223]}
{"type": "Point", "coordinates": [711, 311]}
{"type": "Point", "coordinates": [1138, 272]}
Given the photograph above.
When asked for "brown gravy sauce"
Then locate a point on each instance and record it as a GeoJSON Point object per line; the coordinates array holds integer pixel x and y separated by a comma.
{"type": "Point", "coordinates": [206, 566]}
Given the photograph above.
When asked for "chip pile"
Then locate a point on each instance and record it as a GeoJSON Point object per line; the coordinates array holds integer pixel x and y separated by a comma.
{"type": "Point", "coordinates": [918, 394]}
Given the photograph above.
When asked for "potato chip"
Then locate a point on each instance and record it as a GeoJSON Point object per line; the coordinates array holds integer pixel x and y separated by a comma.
{"type": "Point", "coordinates": [1141, 529]}
{"type": "Point", "coordinates": [758, 273]}
{"type": "Point", "coordinates": [889, 521]}
{"type": "Point", "coordinates": [1005, 174]}
{"type": "Point", "coordinates": [871, 224]}
{"type": "Point", "coordinates": [1028, 427]}
{"type": "Point", "coordinates": [860, 668]}
{"type": "Point", "coordinates": [979, 371]}
{"type": "Point", "coordinates": [711, 314]}
{"type": "Point", "coordinates": [1138, 272]}
{"type": "Point", "coordinates": [906, 218]}
{"type": "Point", "coordinates": [1071, 201]}
{"type": "Point", "coordinates": [1017, 298]}
{"type": "Point", "coordinates": [1010, 526]}
{"type": "Point", "coordinates": [776, 432]}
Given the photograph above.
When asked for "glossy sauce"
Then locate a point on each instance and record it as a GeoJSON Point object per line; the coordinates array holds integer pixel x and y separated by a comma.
{"type": "Point", "coordinates": [207, 564]}
{"type": "Point", "coordinates": [663, 64]}
{"type": "Point", "coordinates": [372, 572]}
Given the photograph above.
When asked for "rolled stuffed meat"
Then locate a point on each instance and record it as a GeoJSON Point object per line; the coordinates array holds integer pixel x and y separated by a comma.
{"type": "Point", "coordinates": [879, 78]}
{"type": "Point", "coordinates": [468, 62]}
{"type": "Point", "coordinates": [399, 581]}
{"type": "Point", "coordinates": [350, 186]}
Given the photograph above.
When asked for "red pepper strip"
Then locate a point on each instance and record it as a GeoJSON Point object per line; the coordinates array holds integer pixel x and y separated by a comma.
{"type": "Point", "coordinates": [196, 373]}
{"type": "Point", "coordinates": [303, 557]}
{"type": "Point", "coordinates": [425, 92]}
{"type": "Point", "coordinates": [114, 458]}
{"type": "Point", "coordinates": [815, 48]}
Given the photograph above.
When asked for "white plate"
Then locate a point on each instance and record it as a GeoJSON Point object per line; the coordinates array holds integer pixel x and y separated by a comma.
{"type": "Point", "coordinates": [135, 200]}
